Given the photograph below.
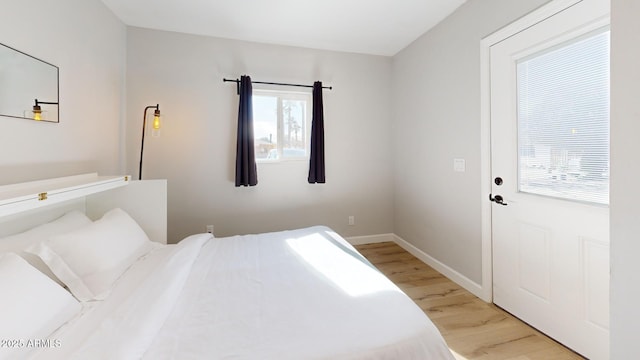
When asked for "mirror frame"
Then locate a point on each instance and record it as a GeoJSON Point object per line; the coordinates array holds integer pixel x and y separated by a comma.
{"type": "Point", "coordinates": [43, 101]}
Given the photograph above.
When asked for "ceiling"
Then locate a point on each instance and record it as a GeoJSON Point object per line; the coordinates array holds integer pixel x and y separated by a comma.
{"type": "Point", "coordinates": [378, 27]}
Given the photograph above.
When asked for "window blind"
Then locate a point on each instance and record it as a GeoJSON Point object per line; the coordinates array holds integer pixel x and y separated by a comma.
{"type": "Point", "coordinates": [563, 120]}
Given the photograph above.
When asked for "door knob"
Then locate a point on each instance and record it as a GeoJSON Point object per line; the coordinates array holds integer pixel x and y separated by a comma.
{"type": "Point", "coordinates": [498, 199]}
{"type": "Point", "coordinates": [498, 181]}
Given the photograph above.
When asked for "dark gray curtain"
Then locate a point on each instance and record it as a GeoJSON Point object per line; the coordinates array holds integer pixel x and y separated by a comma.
{"type": "Point", "coordinates": [246, 173]}
{"type": "Point", "coordinates": [316, 162]}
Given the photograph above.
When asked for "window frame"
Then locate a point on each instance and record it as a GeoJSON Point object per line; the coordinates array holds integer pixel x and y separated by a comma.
{"type": "Point", "coordinates": [281, 96]}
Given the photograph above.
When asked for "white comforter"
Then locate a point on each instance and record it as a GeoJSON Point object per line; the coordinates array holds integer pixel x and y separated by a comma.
{"type": "Point", "coordinates": [303, 294]}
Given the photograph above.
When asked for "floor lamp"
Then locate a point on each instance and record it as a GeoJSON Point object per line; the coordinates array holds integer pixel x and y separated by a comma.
{"type": "Point", "coordinates": [156, 126]}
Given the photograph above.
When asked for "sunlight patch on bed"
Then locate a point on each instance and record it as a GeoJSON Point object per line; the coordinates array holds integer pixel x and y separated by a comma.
{"type": "Point", "coordinates": [350, 274]}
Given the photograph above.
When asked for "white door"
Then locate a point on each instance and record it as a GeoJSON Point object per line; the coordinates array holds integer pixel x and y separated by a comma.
{"type": "Point", "coordinates": [550, 158]}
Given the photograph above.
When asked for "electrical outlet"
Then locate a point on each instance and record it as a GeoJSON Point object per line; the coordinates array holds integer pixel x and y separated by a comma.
{"type": "Point", "coordinates": [352, 220]}
{"type": "Point", "coordinates": [210, 229]}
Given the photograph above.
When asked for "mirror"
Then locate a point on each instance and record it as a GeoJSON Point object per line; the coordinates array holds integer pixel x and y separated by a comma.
{"type": "Point", "coordinates": [23, 79]}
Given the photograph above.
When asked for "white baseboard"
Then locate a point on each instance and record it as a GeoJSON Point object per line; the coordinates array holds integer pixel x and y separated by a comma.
{"type": "Point", "coordinates": [469, 285]}
{"type": "Point", "coordinates": [370, 239]}
{"type": "Point", "coordinates": [465, 282]}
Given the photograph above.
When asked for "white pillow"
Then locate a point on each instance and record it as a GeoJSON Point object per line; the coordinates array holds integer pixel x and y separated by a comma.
{"type": "Point", "coordinates": [89, 260]}
{"type": "Point", "coordinates": [19, 242]}
{"type": "Point", "coordinates": [32, 306]}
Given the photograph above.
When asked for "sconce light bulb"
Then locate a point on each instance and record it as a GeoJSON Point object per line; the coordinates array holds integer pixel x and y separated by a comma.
{"type": "Point", "coordinates": [37, 112]}
{"type": "Point", "coordinates": [156, 121]}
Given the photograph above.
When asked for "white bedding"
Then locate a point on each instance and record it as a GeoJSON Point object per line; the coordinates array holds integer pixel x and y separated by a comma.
{"type": "Point", "coordinates": [302, 294]}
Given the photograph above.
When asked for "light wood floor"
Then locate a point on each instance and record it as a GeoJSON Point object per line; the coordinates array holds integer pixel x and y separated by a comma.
{"type": "Point", "coordinates": [472, 328]}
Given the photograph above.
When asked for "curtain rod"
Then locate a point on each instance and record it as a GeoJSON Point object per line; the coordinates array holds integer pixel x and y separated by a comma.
{"type": "Point", "coordinates": [237, 81]}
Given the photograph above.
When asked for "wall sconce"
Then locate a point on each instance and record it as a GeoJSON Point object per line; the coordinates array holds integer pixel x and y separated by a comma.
{"type": "Point", "coordinates": [37, 110]}
{"type": "Point", "coordinates": [155, 125]}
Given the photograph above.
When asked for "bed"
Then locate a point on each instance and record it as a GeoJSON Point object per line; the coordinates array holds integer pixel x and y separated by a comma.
{"type": "Point", "coordinates": [83, 289]}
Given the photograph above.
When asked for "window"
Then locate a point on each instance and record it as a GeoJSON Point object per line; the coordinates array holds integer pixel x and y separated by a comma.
{"type": "Point", "coordinates": [563, 120]}
{"type": "Point", "coordinates": [281, 125]}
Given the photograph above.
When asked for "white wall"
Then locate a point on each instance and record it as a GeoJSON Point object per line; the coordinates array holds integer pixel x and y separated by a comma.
{"type": "Point", "coordinates": [436, 118]}
{"type": "Point", "coordinates": [87, 42]}
{"type": "Point", "coordinates": [196, 149]}
{"type": "Point", "coordinates": [625, 172]}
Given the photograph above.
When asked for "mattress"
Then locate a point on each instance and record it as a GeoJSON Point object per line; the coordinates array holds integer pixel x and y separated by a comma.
{"type": "Point", "coordinates": [301, 294]}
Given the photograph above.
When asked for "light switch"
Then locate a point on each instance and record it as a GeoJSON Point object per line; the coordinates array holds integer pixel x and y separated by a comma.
{"type": "Point", "coordinates": [459, 165]}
